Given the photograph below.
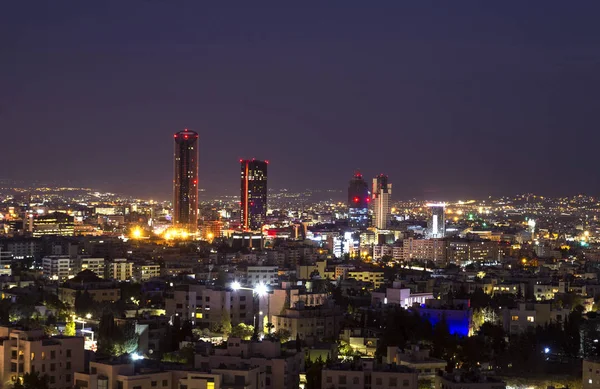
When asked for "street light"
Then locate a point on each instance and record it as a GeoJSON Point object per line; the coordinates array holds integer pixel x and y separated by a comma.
{"type": "Point", "coordinates": [235, 285]}
{"type": "Point", "coordinates": [88, 316]}
{"type": "Point", "coordinates": [260, 290]}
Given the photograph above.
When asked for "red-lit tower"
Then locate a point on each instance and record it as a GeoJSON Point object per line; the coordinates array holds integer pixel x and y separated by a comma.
{"type": "Point", "coordinates": [185, 182]}
{"type": "Point", "coordinates": [253, 204]}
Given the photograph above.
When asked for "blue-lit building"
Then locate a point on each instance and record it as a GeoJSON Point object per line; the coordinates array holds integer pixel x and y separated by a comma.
{"type": "Point", "coordinates": [457, 313]}
{"type": "Point", "coordinates": [358, 202]}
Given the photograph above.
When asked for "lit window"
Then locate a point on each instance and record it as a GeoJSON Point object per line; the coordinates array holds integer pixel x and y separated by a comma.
{"type": "Point", "coordinates": [515, 318]}
{"type": "Point", "coordinates": [530, 319]}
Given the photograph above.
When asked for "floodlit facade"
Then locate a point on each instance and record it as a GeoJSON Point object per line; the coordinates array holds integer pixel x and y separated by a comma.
{"type": "Point", "coordinates": [436, 223]}
{"type": "Point", "coordinates": [120, 269]}
{"type": "Point", "coordinates": [22, 352]}
{"type": "Point", "coordinates": [382, 193]}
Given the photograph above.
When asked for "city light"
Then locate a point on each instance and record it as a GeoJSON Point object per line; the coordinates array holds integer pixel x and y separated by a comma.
{"type": "Point", "coordinates": [136, 232]}
{"type": "Point", "coordinates": [261, 289]}
{"type": "Point", "coordinates": [236, 285]}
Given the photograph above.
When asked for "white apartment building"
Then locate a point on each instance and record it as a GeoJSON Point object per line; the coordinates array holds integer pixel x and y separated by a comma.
{"type": "Point", "coordinates": [206, 306]}
{"type": "Point", "coordinates": [57, 267]}
{"type": "Point", "coordinates": [267, 275]}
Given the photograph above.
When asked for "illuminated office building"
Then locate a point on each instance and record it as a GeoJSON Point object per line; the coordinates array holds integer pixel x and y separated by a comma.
{"type": "Point", "coordinates": [382, 192]}
{"type": "Point", "coordinates": [436, 223]}
{"type": "Point", "coordinates": [185, 182]}
{"type": "Point", "coordinates": [358, 202]}
{"type": "Point", "coordinates": [253, 204]}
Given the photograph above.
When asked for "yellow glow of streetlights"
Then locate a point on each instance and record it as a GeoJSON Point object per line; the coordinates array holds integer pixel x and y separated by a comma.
{"type": "Point", "coordinates": [136, 232]}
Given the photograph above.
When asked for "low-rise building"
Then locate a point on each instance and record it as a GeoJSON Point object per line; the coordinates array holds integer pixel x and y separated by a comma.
{"type": "Point", "coordinates": [120, 269]}
{"type": "Point", "coordinates": [467, 380]}
{"type": "Point", "coordinates": [531, 315]}
{"type": "Point", "coordinates": [368, 375]}
{"type": "Point", "coordinates": [309, 322]}
{"type": "Point", "coordinates": [57, 267]}
{"type": "Point", "coordinates": [206, 306]}
{"type": "Point", "coordinates": [591, 374]}
{"type": "Point", "coordinates": [113, 375]}
{"type": "Point", "coordinates": [144, 271]}
{"type": "Point", "coordinates": [22, 352]}
{"type": "Point", "coordinates": [457, 313]}
{"type": "Point", "coordinates": [100, 290]}
{"type": "Point", "coordinates": [93, 264]}
{"type": "Point", "coordinates": [281, 367]}
{"type": "Point", "coordinates": [397, 295]}
{"type": "Point", "coordinates": [416, 358]}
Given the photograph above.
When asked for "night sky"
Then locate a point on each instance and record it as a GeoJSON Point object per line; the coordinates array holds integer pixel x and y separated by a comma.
{"type": "Point", "coordinates": [450, 99]}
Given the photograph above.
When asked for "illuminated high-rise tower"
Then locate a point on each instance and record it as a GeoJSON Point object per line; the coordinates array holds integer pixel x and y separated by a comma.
{"type": "Point", "coordinates": [382, 192]}
{"type": "Point", "coordinates": [253, 194]}
{"type": "Point", "coordinates": [358, 202]}
{"type": "Point", "coordinates": [436, 223]}
{"type": "Point", "coordinates": [185, 181]}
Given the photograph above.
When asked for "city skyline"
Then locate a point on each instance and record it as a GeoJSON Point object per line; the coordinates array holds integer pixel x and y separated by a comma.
{"type": "Point", "coordinates": [416, 75]}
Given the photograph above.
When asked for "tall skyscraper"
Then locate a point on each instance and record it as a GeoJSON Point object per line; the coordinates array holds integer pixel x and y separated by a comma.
{"type": "Point", "coordinates": [436, 223]}
{"type": "Point", "coordinates": [382, 193]}
{"type": "Point", "coordinates": [185, 182]}
{"type": "Point", "coordinates": [253, 194]}
{"type": "Point", "coordinates": [358, 202]}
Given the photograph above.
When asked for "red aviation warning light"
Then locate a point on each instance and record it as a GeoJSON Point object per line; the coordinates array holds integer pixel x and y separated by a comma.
{"type": "Point", "coordinates": [356, 199]}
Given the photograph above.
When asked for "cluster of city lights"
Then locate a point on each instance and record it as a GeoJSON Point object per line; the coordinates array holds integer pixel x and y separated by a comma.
{"type": "Point", "coordinates": [260, 289]}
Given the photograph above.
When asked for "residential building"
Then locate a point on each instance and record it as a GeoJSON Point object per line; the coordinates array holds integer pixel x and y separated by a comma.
{"type": "Point", "coordinates": [119, 375]}
{"type": "Point", "coordinates": [309, 322]}
{"type": "Point", "coordinates": [120, 269]}
{"type": "Point", "coordinates": [281, 368]}
{"type": "Point", "coordinates": [206, 306]}
{"type": "Point", "coordinates": [418, 359]}
{"type": "Point", "coordinates": [100, 290]}
{"type": "Point", "coordinates": [144, 271]}
{"type": "Point", "coordinates": [591, 374]}
{"type": "Point", "coordinates": [424, 250]}
{"type": "Point", "coordinates": [266, 275]}
{"type": "Point", "coordinates": [398, 295]}
{"type": "Point", "coordinates": [6, 259]}
{"type": "Point", "coordinates": [57, 267]}
{"type": "Point", "coordinates": [22, 352]}
{"type": "Point", "coordinates": [95, 265]}
{"type": "Point", "coordinates": [467, 380]}
{"type": "Point", "coordinates": [368, 375]}
{"type": "Point", "coordinates": [531, 315]}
